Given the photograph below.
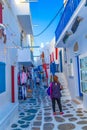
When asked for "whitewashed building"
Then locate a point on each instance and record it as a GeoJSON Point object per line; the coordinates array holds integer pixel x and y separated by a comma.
{"type": "Point", "coordinates": [15, 16]}
{"type": "Point", "coordinates": [51, 56]}
{"type": "Point", "coordinates": [73, 37]}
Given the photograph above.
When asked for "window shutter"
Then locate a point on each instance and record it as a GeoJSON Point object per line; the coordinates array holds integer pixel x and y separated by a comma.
{"type": "Point", "coordinates": [56, 53]}
{"type": "Point", "coordinates": [0, 13]}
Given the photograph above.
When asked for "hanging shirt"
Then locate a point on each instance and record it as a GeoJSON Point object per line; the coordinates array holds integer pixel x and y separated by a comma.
{"type": "Point", "coordinates": [23, 78]}
{"type": "Point", "coordinates": [18, 78]}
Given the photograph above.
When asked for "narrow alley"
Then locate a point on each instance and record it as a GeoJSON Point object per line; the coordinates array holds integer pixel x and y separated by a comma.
{"type": "Point", "coordinates": [36, 113]}
{"type": "Point", "coordinates": [43, 46]}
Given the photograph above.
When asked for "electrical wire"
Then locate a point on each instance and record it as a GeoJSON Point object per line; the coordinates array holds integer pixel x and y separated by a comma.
{"type": "Point", "coordinates": [50, 22]}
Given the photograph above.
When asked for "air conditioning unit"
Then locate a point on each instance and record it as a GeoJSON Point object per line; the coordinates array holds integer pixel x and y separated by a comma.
{"type": "Point", "coordinates": [76, 23]}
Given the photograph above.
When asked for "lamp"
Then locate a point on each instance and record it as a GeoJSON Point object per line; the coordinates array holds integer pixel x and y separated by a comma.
{"type": "Point", "coordinates": [67, 34]}
{"type": "Point", "coordinates": [76, 23]}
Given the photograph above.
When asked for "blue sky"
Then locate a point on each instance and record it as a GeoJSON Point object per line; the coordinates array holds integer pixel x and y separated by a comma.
{"type": "Point", "coordinates": [42, 12]}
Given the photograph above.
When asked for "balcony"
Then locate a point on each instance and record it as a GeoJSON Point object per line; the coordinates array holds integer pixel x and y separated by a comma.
{"type": "Point", "coordinates": [21, 9]}
{"type": "Point", "coordinates": [67, 14]}
{"type": "Point", "coordinates": [25, 22]}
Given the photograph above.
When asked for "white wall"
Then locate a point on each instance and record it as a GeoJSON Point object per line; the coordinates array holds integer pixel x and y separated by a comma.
{"type": "Point", "coordinates": [20, 8]}
{"type": "Point", "coordinates": [80, 36]}
{"type": "Point", "coordinates": [9, 55]}
{"type": "Point", "coordinates": [73, 82]}
{"type": "Point", "coordinates": [24, 55]}
{"type": "Point", "coordinates": [8, 52]}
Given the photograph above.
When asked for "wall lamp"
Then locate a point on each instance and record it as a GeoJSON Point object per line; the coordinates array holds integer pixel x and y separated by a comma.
{"type": "Point", "coordinates": [66, 36]}
{"type": "Point", "coordinates": [76, 24]}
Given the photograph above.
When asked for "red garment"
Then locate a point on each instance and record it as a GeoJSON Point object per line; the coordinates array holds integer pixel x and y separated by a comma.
{"type": "Point", "coordinates": [18, 79]}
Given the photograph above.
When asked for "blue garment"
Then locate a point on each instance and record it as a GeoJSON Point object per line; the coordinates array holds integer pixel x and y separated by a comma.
{"type": "Point", "coordinates": [48, 91]}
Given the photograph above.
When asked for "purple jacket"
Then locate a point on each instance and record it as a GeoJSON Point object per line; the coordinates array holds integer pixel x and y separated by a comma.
{"type": "Point", "coordinates": [55, 90]}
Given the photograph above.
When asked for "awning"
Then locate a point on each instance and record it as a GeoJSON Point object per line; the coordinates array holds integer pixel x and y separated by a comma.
{"type": "Point", "coordinates": [25, 22]}
{"type": "Point", "coordinates": [65, 39]}
{"type": "Point", "coordinates": [26, 64]}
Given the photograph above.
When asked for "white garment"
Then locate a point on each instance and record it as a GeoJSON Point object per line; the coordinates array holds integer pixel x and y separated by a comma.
{"type": "Point", "coordinates": [24, 91]}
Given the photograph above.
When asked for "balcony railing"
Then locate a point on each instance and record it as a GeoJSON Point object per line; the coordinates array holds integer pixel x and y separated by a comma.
{"type": "Point", "coordinates": [67, 14]}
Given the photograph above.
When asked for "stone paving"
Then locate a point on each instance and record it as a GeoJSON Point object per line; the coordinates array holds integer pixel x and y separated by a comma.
{"type": "Point", "coordinates": [36, 114]}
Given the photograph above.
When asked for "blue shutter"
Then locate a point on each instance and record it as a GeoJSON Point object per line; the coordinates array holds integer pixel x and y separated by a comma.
{"type": "Point", "coordinates": [2, 77]}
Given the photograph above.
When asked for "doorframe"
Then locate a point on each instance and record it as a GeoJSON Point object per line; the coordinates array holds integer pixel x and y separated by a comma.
{"type": "Point", "coordinates": [78, 75]}
{"type": "Point", "coordinates": [60, 58]}
{"type": "Point", "coordinates": [13, 84]}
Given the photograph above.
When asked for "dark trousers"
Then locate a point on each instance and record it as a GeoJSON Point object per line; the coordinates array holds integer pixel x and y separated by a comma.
{"type": "Point", "coordinates": [58, 102]}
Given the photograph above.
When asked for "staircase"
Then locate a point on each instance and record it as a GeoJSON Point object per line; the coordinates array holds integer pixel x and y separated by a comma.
{"type": "Point", "coordinates": [63, 81]}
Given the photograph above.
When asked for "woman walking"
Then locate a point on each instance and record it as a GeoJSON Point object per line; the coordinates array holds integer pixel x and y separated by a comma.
{"type": "Point", "coordinates": [55, 94]}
